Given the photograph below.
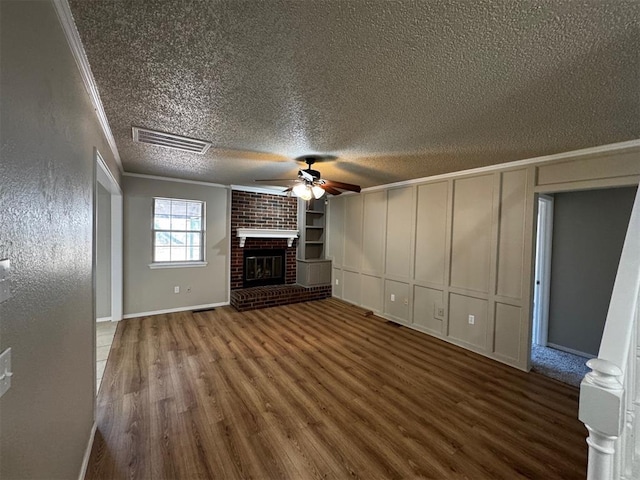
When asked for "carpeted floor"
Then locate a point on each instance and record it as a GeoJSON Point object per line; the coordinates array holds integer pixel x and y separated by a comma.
{"type": "Point", "coordinates": [563, 366]}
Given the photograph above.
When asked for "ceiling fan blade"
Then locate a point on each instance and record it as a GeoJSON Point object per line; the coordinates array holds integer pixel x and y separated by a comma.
{"type": "Point", "coordinates": [330, 190]}
{"type": "Point", "coordinates": [248, 155]}
{"type": "Point", "coordinates": [277, 180]}
{"type": "Point", "coordinates": [343, 186]}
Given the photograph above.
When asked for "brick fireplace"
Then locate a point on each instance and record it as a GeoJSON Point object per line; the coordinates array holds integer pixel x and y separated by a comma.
{"type": "Point", "coordinates": [262, 210]}
{"type": "Point", "coordinates": [251, 210]}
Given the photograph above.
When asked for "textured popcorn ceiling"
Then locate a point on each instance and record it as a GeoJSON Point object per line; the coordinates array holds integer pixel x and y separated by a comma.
{"type": "Point", "coordinates": [393, 89]}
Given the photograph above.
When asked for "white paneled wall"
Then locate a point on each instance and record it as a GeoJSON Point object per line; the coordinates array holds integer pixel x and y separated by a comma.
{"type": "Point", "coordinates": [430, 255]}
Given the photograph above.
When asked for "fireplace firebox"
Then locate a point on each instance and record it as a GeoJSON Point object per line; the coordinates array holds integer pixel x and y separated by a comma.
{"type": "Point", "coordinates": [263, 267]}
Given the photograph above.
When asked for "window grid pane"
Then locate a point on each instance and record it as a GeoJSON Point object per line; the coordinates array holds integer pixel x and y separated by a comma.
{"type": "Point", "coordinates": [178, 230]}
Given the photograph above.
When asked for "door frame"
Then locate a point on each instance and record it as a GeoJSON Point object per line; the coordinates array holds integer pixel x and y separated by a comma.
{"type": "Point", "coordinates": [542, 269]}
{"type": "Point", "coordinates": [105, 178]}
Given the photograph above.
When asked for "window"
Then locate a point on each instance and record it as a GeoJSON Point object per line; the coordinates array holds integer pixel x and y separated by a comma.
{"type": "Point", "coordinates": [178, 231]}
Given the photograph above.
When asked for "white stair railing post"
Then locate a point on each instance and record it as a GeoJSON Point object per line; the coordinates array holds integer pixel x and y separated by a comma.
{"type": "Point", "coordinates": [602, 412]}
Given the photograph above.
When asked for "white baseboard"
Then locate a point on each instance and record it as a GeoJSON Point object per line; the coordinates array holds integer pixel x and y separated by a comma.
{"type": "Point", "coordinates": [87, 452]}
{"type": "Point", "coordinates": [174, 310]}
{"type": "Point", "coordinates": [103, 319]}
{"type": "Point", "coordinates": [570, 350]}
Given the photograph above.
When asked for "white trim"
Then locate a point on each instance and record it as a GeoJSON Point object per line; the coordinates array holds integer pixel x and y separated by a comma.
{"type": "Point", "coordinates": [103, 319]}
{"type": "Point", "coordinates": [229, 237]}
{"type": "Point", "coordinates": [501, 166]}
{"type": "Point", "coordinates": [267, 190]}
{"type": "Point", "coordinates": [170, 179]}
{"type": "Point", "coordinates": [77, 50]}
{"type": "Point", "coordinates": [570, 350]}
{"type": "Point", "coordinates": [103, 174]}
{"type": "Point", "coordinates": [157, 265]}
{"type": "Point", "coordinates": [245, 233]}
{"type": "Point", "coordinates": [174, 310]}
{"type": "Point", "coordinates": [87, 452]}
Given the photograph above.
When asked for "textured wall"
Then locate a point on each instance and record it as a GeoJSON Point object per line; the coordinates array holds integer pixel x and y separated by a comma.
{"type": "Point", "coordinates": [48, 132]}
{"type": "Point", "coordinates": [588, 233]}
{"type": "Point", "coordinates": [150, 290]}
{"type": "Point", "coordinates": [259, 210]}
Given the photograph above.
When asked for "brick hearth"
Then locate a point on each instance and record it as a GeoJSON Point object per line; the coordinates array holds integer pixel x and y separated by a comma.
{"type": "Point", "coordinates": [272, 296]}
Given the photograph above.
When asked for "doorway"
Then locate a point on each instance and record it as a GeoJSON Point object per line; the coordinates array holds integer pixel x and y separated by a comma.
{"type": "Point", "coordinates": [107, 262]}
{"type": "Point", "coordinates": [551, 362]}
{"type": "Point", "coordinates": [578, 244]}
{"type": "Point", "coordinates": [542, 270]}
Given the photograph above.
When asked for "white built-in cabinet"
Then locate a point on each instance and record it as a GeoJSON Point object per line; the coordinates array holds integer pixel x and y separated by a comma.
{"type": "Point", "coordinates": [312, 266]}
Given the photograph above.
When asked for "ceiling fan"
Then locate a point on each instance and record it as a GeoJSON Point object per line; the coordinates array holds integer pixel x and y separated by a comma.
{"type": "Point", "coordinates": [309, 183]}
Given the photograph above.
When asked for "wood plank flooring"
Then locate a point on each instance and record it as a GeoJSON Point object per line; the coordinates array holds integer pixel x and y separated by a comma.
{"type": "Point", "coordinates": [318, 390]}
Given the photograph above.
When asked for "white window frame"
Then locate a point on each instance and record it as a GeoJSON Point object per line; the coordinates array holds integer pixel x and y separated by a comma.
{"type": "Point", "coordinates": [181, 263]}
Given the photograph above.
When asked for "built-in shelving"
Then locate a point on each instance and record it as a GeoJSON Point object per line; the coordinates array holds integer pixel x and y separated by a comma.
{"type": "Point", "coordinates": [313, 268]}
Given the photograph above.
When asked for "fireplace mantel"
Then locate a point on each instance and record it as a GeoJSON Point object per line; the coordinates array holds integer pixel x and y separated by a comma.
{"type": "Point", "coordinates": [245, 233]}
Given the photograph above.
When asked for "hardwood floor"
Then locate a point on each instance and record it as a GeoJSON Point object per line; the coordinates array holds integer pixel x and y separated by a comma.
{"type": "Point", "coordinates": [319, 390]}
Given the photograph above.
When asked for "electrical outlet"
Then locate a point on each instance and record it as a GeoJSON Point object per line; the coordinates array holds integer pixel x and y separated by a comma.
{"type": "Point", "coordinates": [472, 319]}
{"type": "Point", "coordinates": [176, 289]}
{"type": "Point", "coordinates": [393, 297]}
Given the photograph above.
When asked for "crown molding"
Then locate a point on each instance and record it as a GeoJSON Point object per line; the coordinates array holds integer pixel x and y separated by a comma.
{"type": "Point", "coordinates": [267, 190]}
{"type": "Point", "coordinates": [171, 179]}
{"type": "Point", "coordinates": [77, 50]}
{"type": "Point", "coordinates": [585, 152]}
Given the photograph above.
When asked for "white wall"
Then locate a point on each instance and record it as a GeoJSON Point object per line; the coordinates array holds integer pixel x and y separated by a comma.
{"type": "Point", "coordinates": [48, 132]}
{"type": "Point", "coordinates": [152, 290]}
{"type": "Point", "coordinates": [458, 245]}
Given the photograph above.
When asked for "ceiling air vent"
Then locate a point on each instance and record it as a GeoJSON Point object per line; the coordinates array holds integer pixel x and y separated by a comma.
{"type": "Point", "coordinates": [169, 140]}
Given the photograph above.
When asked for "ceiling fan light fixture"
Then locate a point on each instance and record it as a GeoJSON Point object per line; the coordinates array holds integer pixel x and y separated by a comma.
{"type": "Point", "coordinates": [303, 191]}
{"type": "Point", "coordinates": [317, 191]}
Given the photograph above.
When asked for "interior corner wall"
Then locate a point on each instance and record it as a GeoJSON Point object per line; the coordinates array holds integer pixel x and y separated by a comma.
{"type": "Point", "coordinates": [431, 254]}
{"type": "Point", "coordinates": [103, 253]}
{"type": "Point", "coordinates": [48, 131]}
{"type": "Point", "coordinates": [152, 290]}
{"type": "Point", "coordinates": [589, 229]}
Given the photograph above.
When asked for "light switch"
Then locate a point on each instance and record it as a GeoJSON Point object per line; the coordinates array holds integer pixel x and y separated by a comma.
{"type": "Point", "coordinates": [5, 279]}
{"type": "Point", "coordinates": [472, 319]}
{"type": "Point", "coordinates": [5, 268]}
{"type": "Point", "coordinates": [5, 371]}
{"type": "Point", "coordinates": [393, 297]}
